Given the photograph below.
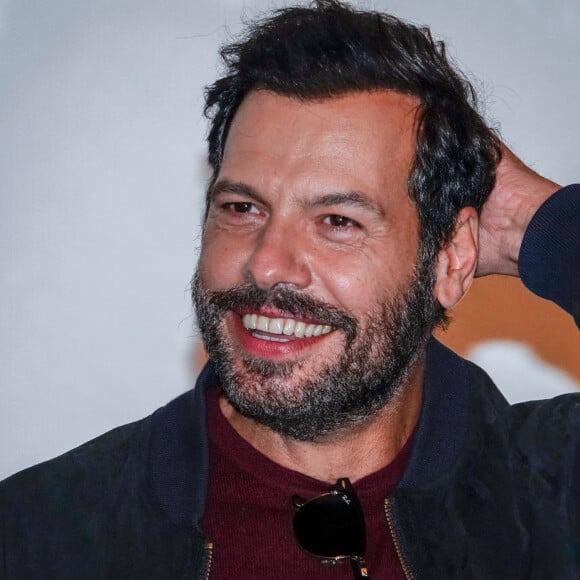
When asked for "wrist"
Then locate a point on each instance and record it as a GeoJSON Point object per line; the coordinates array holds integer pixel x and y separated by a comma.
{"type": "Point", "coordinates": [549, 259]}
{"type": "Point", "coordinates": [527, 197]}
{"type": "Point", "coordinates": [536, 196]}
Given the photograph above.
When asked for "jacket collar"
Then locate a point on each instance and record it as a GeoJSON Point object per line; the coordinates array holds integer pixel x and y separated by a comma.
{"type": "Point", "coordinates": [443, 421]}
{"type": "Point", "coordinates": [179, 447]}
{"type": "Point", "coordinates": [179, 454]}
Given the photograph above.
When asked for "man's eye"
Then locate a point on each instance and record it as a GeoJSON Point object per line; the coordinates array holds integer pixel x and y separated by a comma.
{"type": "Point", "coordinates": [241, 207]}
{"type": "Point", "coordinates": [340, 221]}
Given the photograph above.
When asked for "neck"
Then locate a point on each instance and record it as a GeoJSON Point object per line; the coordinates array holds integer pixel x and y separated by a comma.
{"type": "Point", "coordinates": [353, 453]}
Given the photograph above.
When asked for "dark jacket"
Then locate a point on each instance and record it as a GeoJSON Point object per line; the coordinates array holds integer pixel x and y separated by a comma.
{"type": "Point", "coordinates": [491, 491]}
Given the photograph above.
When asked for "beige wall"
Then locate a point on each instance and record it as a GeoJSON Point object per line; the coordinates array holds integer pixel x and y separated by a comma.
{"type": "Point", "coordinates": [500, 307]}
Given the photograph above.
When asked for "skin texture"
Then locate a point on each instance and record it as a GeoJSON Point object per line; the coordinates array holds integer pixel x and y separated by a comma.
{"type": "Point", "coordinates": [272, 222]}
{"type": "Point", "coordinates": [518, 193]}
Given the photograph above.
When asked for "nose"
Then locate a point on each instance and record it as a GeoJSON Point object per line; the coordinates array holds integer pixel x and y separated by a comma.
{"type": "Point", "coordinates": [278, 257]}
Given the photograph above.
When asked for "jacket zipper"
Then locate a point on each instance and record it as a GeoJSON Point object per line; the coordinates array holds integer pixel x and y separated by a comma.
{"type": "Point", "coordinates": [208, 559]}
{"type": "Point", "coordinates": [396, 541]}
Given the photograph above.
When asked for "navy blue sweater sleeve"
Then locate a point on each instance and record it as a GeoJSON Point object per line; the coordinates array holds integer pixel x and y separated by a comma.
{"type": "Point", "coordinates": [549, 261]}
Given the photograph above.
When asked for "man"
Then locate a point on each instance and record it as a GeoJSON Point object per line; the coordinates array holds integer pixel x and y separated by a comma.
{"type": "Point", "coordinates": [356, 193]}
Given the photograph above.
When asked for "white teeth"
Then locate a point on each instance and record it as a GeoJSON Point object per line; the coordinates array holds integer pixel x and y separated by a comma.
{"type": "Point", "coordinates": [276, 325]}
{"type": "Point", "coordinates": [289, 327]}
{"type": "Point", "coordinates": [272, 338]}
{"type": "Point", "coordinates": [286, 326]}
{"type": "Point", "coordinates": [299, 330]}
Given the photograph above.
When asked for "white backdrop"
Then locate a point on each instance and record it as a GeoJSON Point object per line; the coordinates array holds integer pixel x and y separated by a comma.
{"type": "Point", "coordinates": [102, 175]}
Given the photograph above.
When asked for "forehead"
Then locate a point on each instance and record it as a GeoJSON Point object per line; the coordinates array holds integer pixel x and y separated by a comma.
{"type": "Point", "coordinates": [362, 141]}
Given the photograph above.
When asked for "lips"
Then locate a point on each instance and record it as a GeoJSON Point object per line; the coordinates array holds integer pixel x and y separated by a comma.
{"type": "Point", "coordinates": [273, 343]}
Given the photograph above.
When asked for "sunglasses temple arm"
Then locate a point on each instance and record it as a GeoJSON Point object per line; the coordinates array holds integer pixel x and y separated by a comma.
{"type": "Point", "coordinates": [360, 570]}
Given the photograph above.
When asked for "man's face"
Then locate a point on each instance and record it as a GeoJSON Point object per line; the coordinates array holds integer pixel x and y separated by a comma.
{"type": "Point", "coordinates": [309, 296]}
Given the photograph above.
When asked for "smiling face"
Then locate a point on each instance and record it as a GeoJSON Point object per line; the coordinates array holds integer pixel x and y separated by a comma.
{"type": "Point", "coordinates": [308, 292]}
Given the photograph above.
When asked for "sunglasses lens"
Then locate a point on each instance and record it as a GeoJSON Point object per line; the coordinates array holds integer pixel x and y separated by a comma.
{"type": "Point", "coordinates": [331, 526]}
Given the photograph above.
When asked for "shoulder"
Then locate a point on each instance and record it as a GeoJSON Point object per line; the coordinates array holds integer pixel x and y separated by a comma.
{"type": "Point", "coordinates": [80, 478]}
{"type": "Point", "coordinates": [541, 434]}
{"type": "Point", "coordinates": [97, 512]}
{"type": "Point", "coordinates": [546, 428]}
{"type": "Point", "coordinates": [538, 442]}
{"type": "Point", "coordinates": [553, 424]}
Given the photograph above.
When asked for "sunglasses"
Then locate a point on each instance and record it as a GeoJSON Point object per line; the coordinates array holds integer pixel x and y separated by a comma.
{"type": "Point", "coordinates": [332, 526]}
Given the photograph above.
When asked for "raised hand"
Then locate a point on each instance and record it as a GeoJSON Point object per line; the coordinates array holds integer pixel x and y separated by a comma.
{"type": "Point", "coordinates": [518, 193]}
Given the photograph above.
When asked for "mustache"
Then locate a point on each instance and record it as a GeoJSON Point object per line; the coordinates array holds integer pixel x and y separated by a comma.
{"type": "Point", "coordinates": [295, 303]}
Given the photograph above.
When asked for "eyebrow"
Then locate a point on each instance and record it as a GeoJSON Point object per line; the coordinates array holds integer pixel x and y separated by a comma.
{"type": "Point", "coordinates": [350, 198]}
{"type": "Point", "coordinates": [227, 186]}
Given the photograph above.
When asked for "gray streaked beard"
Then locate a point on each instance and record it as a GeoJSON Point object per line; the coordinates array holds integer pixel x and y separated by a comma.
{"type": "Point", "coordinates": [368, 374]}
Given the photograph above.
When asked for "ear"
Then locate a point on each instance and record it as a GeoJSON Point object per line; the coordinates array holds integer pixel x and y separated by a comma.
{"type": "Point", "coordinates": [456, 262]}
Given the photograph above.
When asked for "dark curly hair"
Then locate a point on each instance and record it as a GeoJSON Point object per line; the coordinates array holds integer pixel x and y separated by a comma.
{"type": "Point", "coordinates": [329, 49]}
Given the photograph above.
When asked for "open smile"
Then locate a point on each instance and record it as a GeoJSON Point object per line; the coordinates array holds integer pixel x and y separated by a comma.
{"type": "Point", "coordinates": [277, 335]}
{"type": "Point", "coordinates": [282, 329]}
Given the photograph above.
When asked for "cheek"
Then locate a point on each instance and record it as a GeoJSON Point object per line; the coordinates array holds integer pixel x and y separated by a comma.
{"type": "Point", "coordinates": [362, 282]}
{"type": "Point", "coordinates": [221, 262]}
{"type": "Point", "coordinates": [358, 286]}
